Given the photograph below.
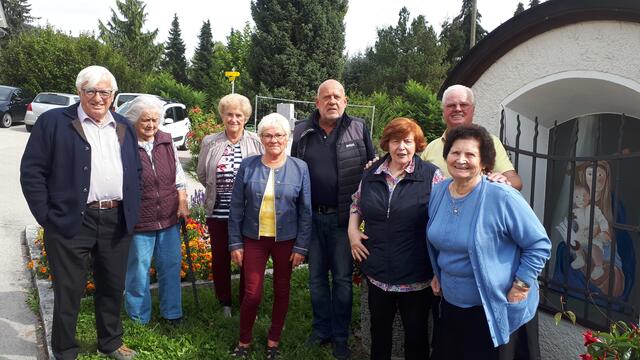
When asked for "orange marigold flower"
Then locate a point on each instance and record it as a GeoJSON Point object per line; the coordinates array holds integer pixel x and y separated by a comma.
{"type": "Point", "coordinates": [152, 271]}
{"type": "Point", "coordinates": [90, 286]}
{"type": "Point", "coordinates": [30, 265]}
{"type": "Point", "coordinates": [43, 270]}
{"type": "Point", "coordinates": [182, 274]}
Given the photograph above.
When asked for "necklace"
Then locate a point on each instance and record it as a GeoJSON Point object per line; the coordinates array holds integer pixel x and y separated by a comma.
{"type": "Point", "coordinates": [456, 205]}
{"type": "Point", "coordinates": [456, 201]}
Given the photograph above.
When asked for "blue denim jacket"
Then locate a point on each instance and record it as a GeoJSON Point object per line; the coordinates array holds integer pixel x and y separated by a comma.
{"type": "Point", "coordinates": [293, 202]}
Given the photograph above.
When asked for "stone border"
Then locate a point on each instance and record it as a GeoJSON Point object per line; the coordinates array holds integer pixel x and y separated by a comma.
{"type": "Point", "coordinates": [43, 286]}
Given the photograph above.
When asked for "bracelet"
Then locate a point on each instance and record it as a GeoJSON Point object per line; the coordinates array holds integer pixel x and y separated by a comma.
{"type": "Point", "coordinates": [520, 285]}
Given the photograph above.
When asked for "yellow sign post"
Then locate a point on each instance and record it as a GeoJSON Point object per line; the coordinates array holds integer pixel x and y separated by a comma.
{"type": "Point", "coordinates": [232, 75]}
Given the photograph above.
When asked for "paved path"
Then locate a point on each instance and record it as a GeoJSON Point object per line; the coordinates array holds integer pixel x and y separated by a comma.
{"type": "Point", "coordinates": [19, 326]}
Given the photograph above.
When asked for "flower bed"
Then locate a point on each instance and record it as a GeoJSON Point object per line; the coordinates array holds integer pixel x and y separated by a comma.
{"type": "Point", "coordinates": [198, 241]}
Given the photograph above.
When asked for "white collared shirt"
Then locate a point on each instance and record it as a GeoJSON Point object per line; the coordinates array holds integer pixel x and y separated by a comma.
{"type": "Point", "coordinates": [106, 161]}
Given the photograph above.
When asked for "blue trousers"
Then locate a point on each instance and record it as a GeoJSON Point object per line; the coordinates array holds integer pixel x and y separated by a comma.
{"type": "Point", "coordinates": [164, 247]}
{"type": "Point", "coordinates": [331, 301]}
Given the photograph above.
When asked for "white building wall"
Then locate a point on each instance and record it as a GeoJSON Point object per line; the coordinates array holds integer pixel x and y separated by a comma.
{"type": "Point", "coordinates": [602, 46]}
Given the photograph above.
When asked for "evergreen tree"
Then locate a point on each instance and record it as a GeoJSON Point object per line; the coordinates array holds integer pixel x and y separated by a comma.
{"type": "Point", "coordinates": [126, 35]}
{"type": "Point", "coordinates": [207, 66]}
{"type": "Point", "coordinates": [17, 13]}
{"type": "Point", "coordinates": [408, 51]}
{"type": "Point", "coordinates": [202, 60]}
{"type": "Point", "coordinates": [533, 3]}
{"type": "Point", "coordinates": [455, 33]}
{"type": "Point", "coordinates": [519, 9]}
{"type": "Point", "coordinates": [175, 62]}
{"type": "Point", "coordinates": [296, 45]}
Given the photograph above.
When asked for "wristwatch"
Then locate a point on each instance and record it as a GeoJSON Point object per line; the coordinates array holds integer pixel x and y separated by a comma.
{"type": "Point", "coordinates": [517, 282]}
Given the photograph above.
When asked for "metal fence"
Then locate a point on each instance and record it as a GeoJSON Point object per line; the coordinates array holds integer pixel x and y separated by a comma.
{"type": "Point", "coordinates": [596, 296]}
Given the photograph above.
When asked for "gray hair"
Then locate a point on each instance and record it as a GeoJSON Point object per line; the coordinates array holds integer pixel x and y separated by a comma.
{"type": "Point", "coordinates": [274, 120]}
{"type": "Point", "coordinates": [141, 104]}
{"type": "Point", "coordinates": [326, 83]}
{"type": "Point", "coordinates": [233, 100]}
{"type": "Point", "coordinates": [455, 87]}
{"type": "Point", "coordinates": [90, 76]}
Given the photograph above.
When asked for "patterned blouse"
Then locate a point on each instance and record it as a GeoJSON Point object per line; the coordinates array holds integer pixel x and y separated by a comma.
{"type": "Point", "coordinates": [226, 171]}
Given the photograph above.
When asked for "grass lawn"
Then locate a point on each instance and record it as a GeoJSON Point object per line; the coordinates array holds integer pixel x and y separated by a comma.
{"type": "Point", "coordinates": [206, 334]}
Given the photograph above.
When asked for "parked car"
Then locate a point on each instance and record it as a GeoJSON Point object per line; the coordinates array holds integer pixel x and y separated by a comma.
{"type": "Point", "coordinates": [174, 121]}
{"type": "Point", "coordinates": [123, 97]}
{"type": "Point", "coordinates": [47, 101]}
{"type": "Point", "coordinates": [13, 105]}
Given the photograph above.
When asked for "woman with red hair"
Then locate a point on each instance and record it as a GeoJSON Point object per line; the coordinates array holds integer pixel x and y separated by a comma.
{"type": "Point", "coordinates": [392, 199]}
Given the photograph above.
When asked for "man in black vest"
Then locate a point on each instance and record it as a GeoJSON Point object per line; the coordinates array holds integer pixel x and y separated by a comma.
{"type": "Point", "coordinates": [336, 148]}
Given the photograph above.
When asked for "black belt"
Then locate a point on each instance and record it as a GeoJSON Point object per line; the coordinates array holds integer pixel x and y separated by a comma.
{"type": "Point", "coordinates": [104, 204]}
{"type": "Point", "coordinates": [322, 209]}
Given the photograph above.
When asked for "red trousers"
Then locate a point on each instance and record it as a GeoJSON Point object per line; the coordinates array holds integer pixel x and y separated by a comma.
{"type": "Point", "coordinates": [221, 261]}
{"type": "Point", "coordinates": [256, 254]}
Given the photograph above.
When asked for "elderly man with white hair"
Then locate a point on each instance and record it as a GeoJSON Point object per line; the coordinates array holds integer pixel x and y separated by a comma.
{"type": "Point", "coordinates": [458, 106]}
{"type": "Point", "coordinates": [157, 234]}
{"type": "Point", "coordinates": [80, 175]}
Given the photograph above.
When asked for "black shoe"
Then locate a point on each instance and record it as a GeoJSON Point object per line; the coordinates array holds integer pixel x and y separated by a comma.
{"type": "Point", "coordinates": [240, 352]}
{"type": "Point", "coordinates": [176, 322]}
{"type": "Point", "coordinates": [340, 350]}
{"type": "Point", "coordinates": [272, 352]}
{"type": "Point", "coordinates": [315, 340]}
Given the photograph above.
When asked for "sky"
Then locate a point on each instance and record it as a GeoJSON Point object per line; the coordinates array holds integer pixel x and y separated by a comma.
{"type": "Point", "coordinates": [363, 18]}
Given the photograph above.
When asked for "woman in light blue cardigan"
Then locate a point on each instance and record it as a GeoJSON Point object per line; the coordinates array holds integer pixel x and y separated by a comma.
{"type": "Point", "coordinates": [487, 248]}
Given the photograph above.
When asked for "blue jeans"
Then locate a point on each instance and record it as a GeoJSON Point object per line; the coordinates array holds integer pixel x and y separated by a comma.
{"type": "Point", "coordinates": [164, 247]}
{"type": "Point", "coordinates": [330, 251]}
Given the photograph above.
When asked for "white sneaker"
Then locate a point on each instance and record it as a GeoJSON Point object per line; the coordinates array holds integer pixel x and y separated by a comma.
{"type": "Point", "coordinates": [597, 272]}
{"type": "Point", "coordinates": [226, 311]}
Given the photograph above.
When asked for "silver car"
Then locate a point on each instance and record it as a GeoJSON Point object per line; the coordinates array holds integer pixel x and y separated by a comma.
{"type": "Point", "coordinates": [47, 101]}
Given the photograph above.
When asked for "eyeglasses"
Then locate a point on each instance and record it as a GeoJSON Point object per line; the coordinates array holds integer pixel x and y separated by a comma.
{"type": "Point", "coordinates": [453, 106]}
{"type": "Point", "coordinates": [276, 137]}
{"type": "Point", "coordinates": [92, 92]}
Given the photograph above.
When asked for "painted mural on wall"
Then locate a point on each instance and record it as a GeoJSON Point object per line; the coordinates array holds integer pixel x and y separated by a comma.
{"type": "Point", "coordinates": [612, 255]}
{"type": "Point", "coordinates": [592, 216]}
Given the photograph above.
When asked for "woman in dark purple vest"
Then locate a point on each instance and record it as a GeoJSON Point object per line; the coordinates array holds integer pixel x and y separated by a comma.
{"type": "Point", "coordinates": [157, 235]}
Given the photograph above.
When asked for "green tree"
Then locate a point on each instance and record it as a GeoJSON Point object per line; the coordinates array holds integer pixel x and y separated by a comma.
{"type": "Point", "coordinates": [519, 9]}
{"type": "Point", "coordinates": [17, 13]}
{"type": "Point", "coordinates": [455, 34]}
{"type": "Point", "coordinates": [235, 55]}
{"type": "Point", "coordinates": [296, 45]}
{"type": "Point", "coordinates": [406, 51]}
{"type": "Point", "coordinates": [43, 59]}
{"type": "Point", "coordinates": [126, 35]}
{"type": "Point", "coordinates": [533, 3]}
{"type": "Point", "coordinates": [163, 84]}
{"type": "Point", "coordinates": [202, 60]}
{"type": "Point", "coordinates": [207, 68]}
{"type": "Point", "coordinates": [174, 60]}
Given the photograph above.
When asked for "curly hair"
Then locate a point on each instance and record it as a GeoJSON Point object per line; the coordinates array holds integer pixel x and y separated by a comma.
{"type": "Point", "coordinates": [479, 133]}
{"type": "Point", "coordinates": [400, 128]}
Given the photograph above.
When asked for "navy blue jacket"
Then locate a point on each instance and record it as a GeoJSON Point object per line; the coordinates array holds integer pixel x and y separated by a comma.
{"type": "Point", "coordinates": [55, 171]}
{"type": "Point", "coordinates": [293, 202]}
{"type": "Point", "coordinates": [397, 227]}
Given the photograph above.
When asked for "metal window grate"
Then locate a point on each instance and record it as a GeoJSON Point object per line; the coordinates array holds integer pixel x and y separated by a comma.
{"type": "Point", "coordinates": [599, 308]}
